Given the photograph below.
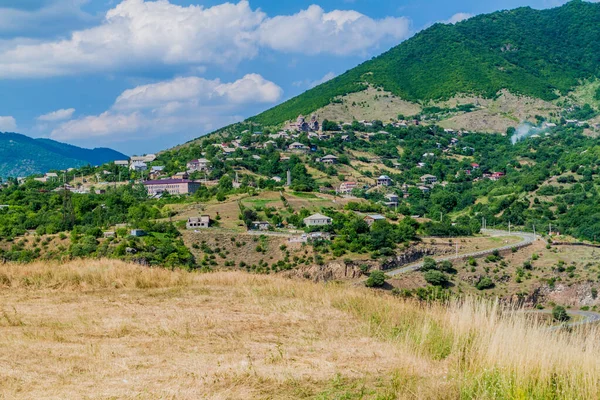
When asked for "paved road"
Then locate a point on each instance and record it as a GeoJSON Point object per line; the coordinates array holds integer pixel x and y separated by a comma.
{"type": "Point", "coordinates": [526, 240]}
{"type": "Point", "coordinates": [587, 317]}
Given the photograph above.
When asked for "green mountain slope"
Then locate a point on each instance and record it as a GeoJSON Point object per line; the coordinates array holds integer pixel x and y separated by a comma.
{"type": "Point", "coordinates": [541, 54]}
{"type": "Point", "coordinates": [21, 155]}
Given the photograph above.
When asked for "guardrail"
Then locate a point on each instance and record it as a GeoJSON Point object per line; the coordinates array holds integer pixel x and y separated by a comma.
{"type": "Point", "coordinates": [528, 240]}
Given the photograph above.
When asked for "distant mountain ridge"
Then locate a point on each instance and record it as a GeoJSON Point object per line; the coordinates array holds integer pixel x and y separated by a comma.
{"type": "Point", "coordinates": [542, 54]}
{"type": "Point", "coordinates": [21, 155]}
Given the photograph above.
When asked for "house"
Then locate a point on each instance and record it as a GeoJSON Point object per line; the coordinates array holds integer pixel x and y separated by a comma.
{"type": "Point", "coordinates": [497, 175]}
{"type": "Point", "coordinates": [424, 189]}
{"type": "Point", "coordinates": [347, 187]}
{"type": "Point", "coordinates": [181, 175]}
{"type": "Point", "coordinates": [317, 220]}
{"type": "Point", "coordinates": [138, 232]}
{"type": "Point", "coordinates": [298, 147]}
{"type": "Point", "coordinates": [109, 234]}
{"type": "Point", "coordinates": [261, 225]}
{"type": "Point", "coordinates": [122, 163]}
{"type": "Point", "coordinates": [392, 199]}
{"type": "Point", "coordinates": [201, 164]}
{"type": "Point", "coordinates": [138, 165]}
{"type": "Point", "coordinates": [201, 222]}
{"type": "Point", "coordinates": [371, 219]}
{"type": "Point", "coordinates": [384, 180]}
{"type": "Point", "coordinates": [475, 166]}
{"type": "Point", "coordinates": [428, 179]}
{"type": "Point", "coordinates": [329, 159]}
{"type": "Point", "coordinates": [171, 186]}
{"type": "Point", "coordinates": [277, 179]}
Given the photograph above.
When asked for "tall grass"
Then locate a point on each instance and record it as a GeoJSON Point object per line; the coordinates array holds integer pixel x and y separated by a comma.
{"type": "Point", "coordinates": [465, 349]}
{"type": "Point", "coordinates": [89, 275]}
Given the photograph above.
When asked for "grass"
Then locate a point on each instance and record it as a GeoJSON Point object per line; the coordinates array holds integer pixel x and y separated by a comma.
{"type": "Point", "coordinates": [106, 329]}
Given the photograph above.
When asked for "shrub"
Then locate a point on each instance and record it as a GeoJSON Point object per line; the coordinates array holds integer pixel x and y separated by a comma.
{"type": "Point", "coordinates": [485, 283]}
{"type": "Point", "coordinates": [376, 279]}
{"type": "Point", "coordinates": [559, 313]}
{"type": "Point", "coordinates": [436, 278]}
{"type": "Point", "coordinates": [429, 264]}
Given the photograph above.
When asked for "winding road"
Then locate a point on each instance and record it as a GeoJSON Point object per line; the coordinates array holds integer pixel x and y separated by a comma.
{"type": "Point", "coordinates": [526, 240]}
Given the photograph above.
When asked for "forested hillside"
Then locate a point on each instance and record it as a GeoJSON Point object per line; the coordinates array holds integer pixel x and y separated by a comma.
{"type": "Point", "coordinates": [541, 54]}
{"type": "Point", "coordinates": [23, 156]}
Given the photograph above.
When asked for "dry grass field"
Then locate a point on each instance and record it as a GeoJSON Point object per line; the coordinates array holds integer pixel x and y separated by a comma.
{"type": "Point", "coordinates": [110, 330]}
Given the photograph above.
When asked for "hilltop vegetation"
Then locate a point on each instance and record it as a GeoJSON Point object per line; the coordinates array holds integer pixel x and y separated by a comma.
{"type": "Point", "coordinates": [542, 54]}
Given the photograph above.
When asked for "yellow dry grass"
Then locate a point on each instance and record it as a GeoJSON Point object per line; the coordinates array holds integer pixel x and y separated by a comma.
{"type": "Point", "coordinates": [106, 329]}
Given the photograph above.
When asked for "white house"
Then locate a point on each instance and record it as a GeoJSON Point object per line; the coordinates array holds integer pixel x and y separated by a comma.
{"type": "Point", "coordinates": [329, 159]}
{"type": "Point", "coordinates": [384, 180]}
{"type": "Point", "coordinates": [296, 146]}
{"type": "Point", "coordinates": [317, 220]}
{"type": "Point", "coordinates": [428, 179]}
{"type": "Point", "coordinates": [138, 165]}
{"type": "Point", "coordinates": [201, 164]}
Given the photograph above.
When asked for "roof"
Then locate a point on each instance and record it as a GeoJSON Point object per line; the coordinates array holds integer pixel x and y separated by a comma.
{"type": "Point", "coordinates": [158, 168]}
{"type": "Point", "coordinates": [167, 182]}
{"type": "Point", "coordinates": [384, 177]}
{"type": "Point", "coordinates": [317, 216]}
{"type": "Point", "coordinates": [376, 217]}
{"type": "Point", "coordinates": [427, 176]}
{"type": "Point", "coordinates": [297, 144]}
{"type": "Point", "coordinates": [202, 218]}
{"type": "Point", "coordinates": [329, 157]}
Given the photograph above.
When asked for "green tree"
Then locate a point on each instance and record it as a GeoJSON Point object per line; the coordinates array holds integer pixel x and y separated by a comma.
{"type": "Point", "coordinates": [376, 279]}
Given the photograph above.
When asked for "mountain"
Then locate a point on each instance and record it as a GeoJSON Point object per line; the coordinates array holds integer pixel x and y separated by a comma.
{"type": "Point", "coordinates": [541, 54]}
{"type": "Point", "coordinates": [21, 155]}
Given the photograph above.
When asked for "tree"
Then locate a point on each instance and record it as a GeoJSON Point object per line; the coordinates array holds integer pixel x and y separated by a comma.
{"type": "Point", "coordinates": [428, 264]}
{"type": "Point", "coordinates": [376, 279]}
{"type": "Point", "coordinates": [559, 313]}
{"type": "Point", "coordinates": [436, 278]}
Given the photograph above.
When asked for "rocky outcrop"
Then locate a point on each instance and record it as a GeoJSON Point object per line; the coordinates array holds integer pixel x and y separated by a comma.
{"type": "Point", "coordinates": [575, 295]}
{"type": "Point", "coordinates": [328, 272]}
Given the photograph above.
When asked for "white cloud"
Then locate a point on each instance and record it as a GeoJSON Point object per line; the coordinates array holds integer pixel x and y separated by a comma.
{"type": "Point", "coordinates": [138, 32]}
{"type": "Point", "coordinates": [58, 115]}
{"type": "Point", "coordinates": [172, 106]}
{"type": "Point", "coordinates": [313, 31]}
{"type": "Point", "coordinates": [102, 125]}
{"type": "Point", "coordinates": [311, 84]}
{"type": "Point", "coordinates": [252, 88]}
{"type": "Point", "coordinates": [458, 17]}
{"type": "Point", "coordinates": [8, 124]}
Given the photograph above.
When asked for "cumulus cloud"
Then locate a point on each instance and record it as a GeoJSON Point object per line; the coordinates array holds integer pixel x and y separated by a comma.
{"type": "Point", "coordinates": [58, 115]}
{"type": "Point", "coordinates": [171, 106]}
{"type": "Point", "coordinates": [252, 88]}
{"type": "Point", "coordinates": [311, 84]}
{"type": "Point", "coordinates": [458, 17]}
{"type": "Point", "coordinates": [313, 31]}
{"type": "Point", "coordinates": [137, 32]}
{"type": "Point", "coordinates": [8, 124]}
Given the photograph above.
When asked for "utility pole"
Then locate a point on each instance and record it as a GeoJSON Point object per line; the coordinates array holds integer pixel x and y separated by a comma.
{"type": "Point", "coordinates": [441, 216]}
{"type": "Point", "coordinates": [509, 227]}
{"type": "Point", "coordinates": [457, 250]}
{"type": "Point", "coordinates": [534, 237]}
{"type": "Point", "coordinates": [550, 229]}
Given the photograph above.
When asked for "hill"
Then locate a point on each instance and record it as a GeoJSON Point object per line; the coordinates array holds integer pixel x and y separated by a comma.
{"type": "Point", "coordinates": [21, 155]}
{"type": "Point", "coordinates": [540, 54]}
{"type": "Point", "coordinates": [99, 329]}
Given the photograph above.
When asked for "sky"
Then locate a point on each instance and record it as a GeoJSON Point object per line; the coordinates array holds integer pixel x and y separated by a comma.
{"type": "Point", "coordinates": [141, 76]}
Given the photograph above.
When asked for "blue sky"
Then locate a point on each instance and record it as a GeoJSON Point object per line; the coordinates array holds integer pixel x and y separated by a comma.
{"type": "Point", "coordinates": [141, 76]}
